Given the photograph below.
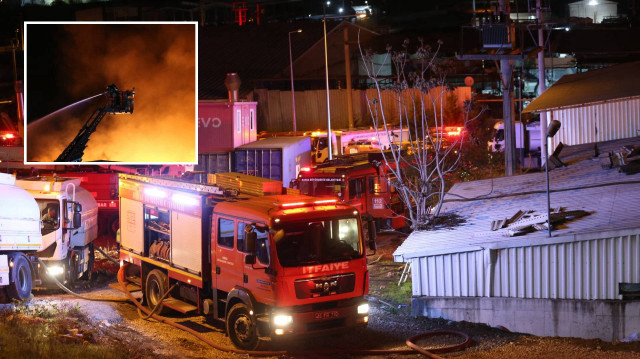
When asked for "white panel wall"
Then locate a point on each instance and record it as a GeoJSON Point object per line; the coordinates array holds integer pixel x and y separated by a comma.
{"type": "Point", "coordinates": [586, 269]}
{"type": "Point", "coordinates": [614, 120]}
{"type": "Point", "coordinates": [456, 274]}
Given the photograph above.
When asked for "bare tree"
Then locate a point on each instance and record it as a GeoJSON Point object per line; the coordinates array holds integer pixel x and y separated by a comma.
{"type": "Point", "coordinates": [423, 162]}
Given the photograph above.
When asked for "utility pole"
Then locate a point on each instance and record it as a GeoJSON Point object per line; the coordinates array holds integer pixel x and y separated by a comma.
{"type": "Point", "coordinates": [499, 45]}
{"type": "Point", "coordinates": [541, 82]}
{"type": "Point", "coordinates": [347, 69]}
{"type": "Point", "coordinates": [506, 70]}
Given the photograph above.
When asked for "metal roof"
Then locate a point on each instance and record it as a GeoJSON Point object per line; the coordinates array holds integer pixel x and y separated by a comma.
{"type": "Point", "coordinates": [611, 198]}
{"type": "Point", "coordinates": [611, 83]}
{"type": "Point", "coordinates": [277, 142]}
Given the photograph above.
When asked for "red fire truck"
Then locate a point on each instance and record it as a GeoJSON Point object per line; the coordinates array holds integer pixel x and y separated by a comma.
{"type": "Point", "coordinates": [268, 266]}
{"type": "Point", "coordinates": [361, 181]}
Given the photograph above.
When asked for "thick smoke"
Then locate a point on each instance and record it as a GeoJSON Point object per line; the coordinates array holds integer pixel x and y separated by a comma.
{"type": "Point", "coordinates": [158, 60]}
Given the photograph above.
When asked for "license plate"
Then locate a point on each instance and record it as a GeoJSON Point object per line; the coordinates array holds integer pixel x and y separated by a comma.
{"type": "Point", "coordinates": [326, 315]}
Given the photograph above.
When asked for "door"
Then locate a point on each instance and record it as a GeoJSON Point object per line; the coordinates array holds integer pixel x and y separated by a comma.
{"type": "Point", "coordinates": [227, 261]}
{"type": "Point", "coordinates": [357, 193]}
{"type": "Point", "coordinates": [256, 277]}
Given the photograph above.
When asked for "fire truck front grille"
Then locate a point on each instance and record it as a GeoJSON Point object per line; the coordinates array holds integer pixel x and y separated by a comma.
{"type": "Point", "coordinates": [324, 325]}
{"type": "Point", "coordinates": [325, 286]}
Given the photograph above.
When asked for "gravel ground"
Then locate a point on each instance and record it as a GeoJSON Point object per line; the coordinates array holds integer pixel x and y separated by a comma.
{"type": "Point", "coordinates": [120, 325]}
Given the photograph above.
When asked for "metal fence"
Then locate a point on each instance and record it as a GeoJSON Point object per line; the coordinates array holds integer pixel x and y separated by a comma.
{"type": "Point", "coordinates": [275, 114]}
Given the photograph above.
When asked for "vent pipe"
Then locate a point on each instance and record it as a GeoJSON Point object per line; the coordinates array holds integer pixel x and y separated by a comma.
{"type": "Point", "coordinates": [232, 82]}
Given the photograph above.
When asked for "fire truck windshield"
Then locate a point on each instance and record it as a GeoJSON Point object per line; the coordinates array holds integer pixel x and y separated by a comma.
{"type": "Point", "coordinates": [323, 241]}
{"type": "Point", "coordinates": [319, 186]}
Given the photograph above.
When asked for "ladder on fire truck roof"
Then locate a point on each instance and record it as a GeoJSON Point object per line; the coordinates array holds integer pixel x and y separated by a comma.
{"type": "Point", "coordinates": [173, 183]}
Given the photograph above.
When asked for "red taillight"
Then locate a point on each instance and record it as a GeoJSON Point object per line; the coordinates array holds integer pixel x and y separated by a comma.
{"type": "Point", "coordinates": [305, 169]}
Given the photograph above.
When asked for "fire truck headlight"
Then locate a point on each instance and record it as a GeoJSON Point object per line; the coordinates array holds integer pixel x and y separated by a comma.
{"type": "Point", "coordinates": [55, 270]}
{"type": "Point", "coordinates": [282, 320]}
{"type": "Point", "coordinates": [363, 308]}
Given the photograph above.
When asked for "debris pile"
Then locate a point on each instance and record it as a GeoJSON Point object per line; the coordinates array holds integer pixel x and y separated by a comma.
{"type": "Point", "coordinates": [626, 159]}
{"type": "Point", "coordinates": [527, 221]}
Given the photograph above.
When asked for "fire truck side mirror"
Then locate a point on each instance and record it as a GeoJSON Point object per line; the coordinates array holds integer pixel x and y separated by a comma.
{"type": "Point", "coordinates": [77, 215]}
{"type": "Point", "coordinates": [74, 210]}
{"type": "Point", "coordinates": [250, 242]}
{"type": "Point", "coordinates": [77, 220]}
{"type": "Point", "coordinates": [250, 259]}
{"type": "Point", "coordinates": [372, 235]}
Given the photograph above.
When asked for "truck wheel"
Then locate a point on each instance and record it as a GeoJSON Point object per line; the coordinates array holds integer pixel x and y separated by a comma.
{"type": "Point", "coordinates": [88, 275]}
{"type": "Point", "coordinates": [241, 328]}
{"type": "Point", "coordinates": [155, 288]}
{"type": "Point", "coordinates": [73, 268]}
{"type": "Point", "coordinates": [20, 278]}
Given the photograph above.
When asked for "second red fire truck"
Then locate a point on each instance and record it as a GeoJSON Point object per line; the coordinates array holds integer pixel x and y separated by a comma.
{"type": "Point", "coordinates": [361, 181]}
{"type": "Point", "coordinates": [271, 265]}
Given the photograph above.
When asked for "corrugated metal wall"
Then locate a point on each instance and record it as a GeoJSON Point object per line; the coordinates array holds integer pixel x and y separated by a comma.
{"type": "Point", "coordinates": [614, 120]}
{"type": "Point", "coordinates": [275, 115]}
{"type": "Point", "coordinates": [586, 269]}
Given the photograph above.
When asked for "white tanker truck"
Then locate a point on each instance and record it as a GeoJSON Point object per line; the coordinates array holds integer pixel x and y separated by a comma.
{"type": "Point", "coordinates": [49, 218]}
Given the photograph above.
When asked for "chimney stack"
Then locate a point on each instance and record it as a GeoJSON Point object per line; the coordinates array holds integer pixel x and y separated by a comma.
{"type": "Point", "coordinates": [232, 82]}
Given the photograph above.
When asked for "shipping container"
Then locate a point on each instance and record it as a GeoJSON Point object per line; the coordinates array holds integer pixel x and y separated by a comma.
{"type": "Point", "coordinates": [276, 158]}
{"type": "Point", "coordinates": [223, 126]}
{"type": "Point", "coordinates": [213, 162]}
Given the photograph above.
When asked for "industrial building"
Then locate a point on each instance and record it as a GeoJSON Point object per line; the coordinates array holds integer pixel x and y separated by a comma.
{"type": "Point", "coordinates": [569, 284]}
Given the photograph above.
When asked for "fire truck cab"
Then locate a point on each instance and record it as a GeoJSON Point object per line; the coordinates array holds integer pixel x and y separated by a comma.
{"type": "Point", "coordinates": [361, 181]}
{"type": "Point", "coordinates": [274, 265]}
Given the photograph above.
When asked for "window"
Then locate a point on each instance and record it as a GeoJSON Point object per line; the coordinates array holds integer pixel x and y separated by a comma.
{"type": "Point", "coordinates": [238, 121]}
{"type": "Point", "coordinates": [263, 247]}
{"type": "Point", "coordinates": [49, 215]}
{"type": "Point", "coordinates": [317, 242]}
{"type": "Point", "coordinates": [225, 232]}
{"type": "Point", "coordinates": [251, 119]}
{"type": "Point", "coordinates": [355, 188]}
{"type": "Point", "coordinates": [241, 235]}
{"type": "Point", "coordinates": [377, 185]}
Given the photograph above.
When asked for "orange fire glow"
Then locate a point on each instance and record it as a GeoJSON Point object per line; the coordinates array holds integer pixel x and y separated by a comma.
{"type": "Point", "coordinates": [159, 60]}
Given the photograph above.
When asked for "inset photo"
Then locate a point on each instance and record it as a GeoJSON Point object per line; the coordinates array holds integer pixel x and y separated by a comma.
{"type": "Point", "coordinates": [111, 92]}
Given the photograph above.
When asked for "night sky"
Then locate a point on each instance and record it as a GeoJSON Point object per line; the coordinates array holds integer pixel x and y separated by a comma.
{"type": "Point", "coordinates": [67, 63]}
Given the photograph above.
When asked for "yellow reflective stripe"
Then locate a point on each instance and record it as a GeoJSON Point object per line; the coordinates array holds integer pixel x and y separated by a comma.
{"type": "Point", "coordinates": [20, 245]}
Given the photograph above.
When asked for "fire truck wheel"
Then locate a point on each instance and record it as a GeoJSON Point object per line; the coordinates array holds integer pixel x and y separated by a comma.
{"type": "Point", "coordinates": [20, 287]}
{"type": "Point", "coordinates": [155, 288]}
{"type": "Point", "coordinates": [241, 327]}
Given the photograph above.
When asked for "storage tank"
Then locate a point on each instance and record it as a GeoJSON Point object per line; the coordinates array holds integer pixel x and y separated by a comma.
{"type": "Point", "coordinates": [19, 217]}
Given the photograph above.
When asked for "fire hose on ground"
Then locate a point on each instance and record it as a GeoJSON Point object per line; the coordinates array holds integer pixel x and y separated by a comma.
{"type": "Point", "coordinates": [432, 353]}
{"type": "Point", "coordinates": [411, 342]}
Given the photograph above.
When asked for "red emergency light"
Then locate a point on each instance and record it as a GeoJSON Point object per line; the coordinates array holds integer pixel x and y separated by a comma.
{"type": "Point", "coordinates": [308, 204]}
{"type": "Point", "coordinates": [305, 169]}
{"type": "Point", "coordinates": [292, 204]}
{"type": "Point", "coordinates": [453, 131]}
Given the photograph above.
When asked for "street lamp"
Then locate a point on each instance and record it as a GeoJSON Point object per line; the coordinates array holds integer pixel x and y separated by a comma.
{"type": "Point", "coordinates": [554, 126]}
{"type": "Point", "coordinates": [293, 96]}
{"type": "Point", "coordinates": [326, 73]}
